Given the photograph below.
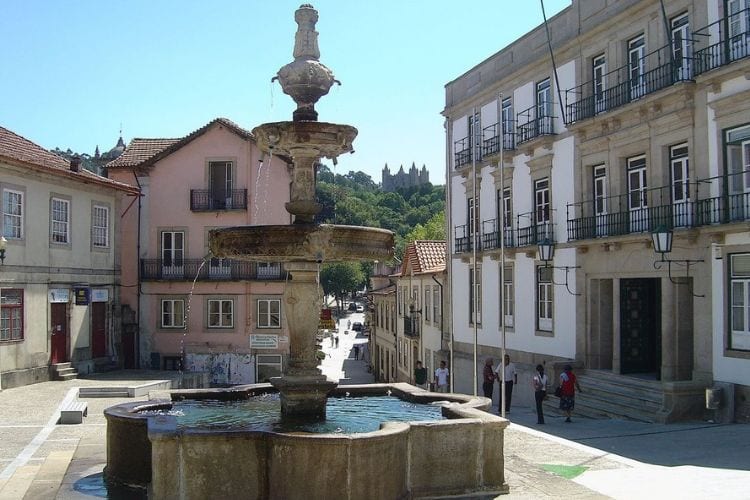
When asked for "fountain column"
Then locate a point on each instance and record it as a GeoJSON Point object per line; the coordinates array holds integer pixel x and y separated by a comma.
{"type": "Point", "coordinates": [303, 388]}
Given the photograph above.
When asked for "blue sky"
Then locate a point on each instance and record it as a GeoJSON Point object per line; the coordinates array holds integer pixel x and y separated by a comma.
{"type": "Point", "coordinates": [72, 71]}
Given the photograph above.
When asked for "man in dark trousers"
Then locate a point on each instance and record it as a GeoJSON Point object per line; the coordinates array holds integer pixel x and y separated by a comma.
{"type": "Point", "coordinates": [511, 378]}
{"type": "Point", "coordinates": [356, 351]}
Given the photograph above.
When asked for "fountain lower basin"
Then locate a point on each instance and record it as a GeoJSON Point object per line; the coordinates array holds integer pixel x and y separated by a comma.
{"type": "Point", "coordinates": [460, 454]}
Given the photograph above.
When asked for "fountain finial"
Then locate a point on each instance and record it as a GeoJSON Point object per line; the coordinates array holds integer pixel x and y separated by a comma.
{"type": "Point", "coordinates": [306, 79]}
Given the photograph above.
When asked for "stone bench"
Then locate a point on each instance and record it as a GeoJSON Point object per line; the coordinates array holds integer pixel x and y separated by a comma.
{"type": "Point", "coordinates": [73, 412]}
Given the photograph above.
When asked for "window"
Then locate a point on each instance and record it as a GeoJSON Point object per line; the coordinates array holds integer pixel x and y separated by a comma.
{"type": "Point", "coordinates": [427, 303]}
{"type": "Point", "coordinates": [680, 177]}
{"type": "Point", "coordinates": [269, 313]}
{"type": "Point", "coordinates": [100, 226]}
{"type": "Point", "coordinates": [600, 200]}
{"type": "Point", "coordinates": [506, 296]}
{"type": "Point", "coordinates": [220, 180]}
{"type": "Point", "coordinates": [172, 253]}
{"type": "Point", "coordinates": [220, 313]}
{"type": "Point", "coordinates": [60, 218]}
{"type": "Point", "coordinates": [681, 47]}
{"type": "Point", "coordinates": [637, 194]}
{"type": "Point", "coordinates": [472, 221]}
{"type": "Point", "coordinates": [12, 214]}
{"type": "Point", "coordinates": [739, 25]}
{"type": "Point", "coordinates": [475, 292]}
{"type": "Point", "coordinates": [173, 313]}
{"type": "Point", "coordinates": [543, 99]}
{"type": "Point", "coordinates": [599, 70]}
{"type": "Point", "coordinates": [739, 334]}
{"type": "Point", "coordinates": [637, 66]}
{"type": "Point", "coordinates": [544, 291]}
{"type": "Point", "coordinates": [738, 172]}
{"type": "Point", "coordinates": [505, 214]}
{"type": "Point", "coordinates": [507, 124]}
{"type": "Point", "coordinates": [11, 314]}
{"type": "Point", "coordinates": [542, 204]}
{"type": "Point", "coordinates": [436, 304]}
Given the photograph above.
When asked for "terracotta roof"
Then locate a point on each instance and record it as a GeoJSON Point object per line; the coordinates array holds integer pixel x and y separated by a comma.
{"type": "Point", "coordinates": [424, 256]}
{"type": "Point", "coordinates": [144, 152]}
{"type": "Point", "coordinates": [22, 152]}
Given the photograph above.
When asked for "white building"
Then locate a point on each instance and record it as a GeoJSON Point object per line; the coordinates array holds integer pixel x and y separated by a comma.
{"type": "Point", "coordinates": [640, 125]}
{"type": "Point", "coordinates": [60, 275]}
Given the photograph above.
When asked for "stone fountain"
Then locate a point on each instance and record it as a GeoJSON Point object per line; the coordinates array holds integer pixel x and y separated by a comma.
{"type": "Point", "coordinates": [303, 245]}
{"type": "Point", "coordinates": [461, 454]}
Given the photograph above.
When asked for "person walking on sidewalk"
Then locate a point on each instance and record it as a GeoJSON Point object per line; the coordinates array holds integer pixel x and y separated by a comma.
{"type": "Point", "coordinates": [568, 386]}
{"type": "Point", "coordinates": [488, 386]}
{"type": "Point", "coordinates": [539, 382]}
{"type": "Point", "coordinates": [511, 378]}
{"type": "Point", "coordinates": [441, 377]}
{"type": "Point", "coordinates": [420, 375]}
{"type": "Point", "coordinates": [356, 351]}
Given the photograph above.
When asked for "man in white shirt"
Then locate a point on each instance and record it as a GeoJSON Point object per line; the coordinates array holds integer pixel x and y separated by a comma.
{"type": "Point", "coordinates": [511, 378]}
{"type": "Point", "coordinates": [441, 378]}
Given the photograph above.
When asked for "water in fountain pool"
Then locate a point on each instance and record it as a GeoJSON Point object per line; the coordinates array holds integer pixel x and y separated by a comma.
{"type": "Point", "coordinates": [262, 413]}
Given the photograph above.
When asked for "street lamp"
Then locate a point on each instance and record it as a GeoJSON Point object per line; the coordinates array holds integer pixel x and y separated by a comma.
{"type": "Point", "coordinates": [662, 237]}
{"type": "Point", "coordinates": [3, 244]}
{"type": "Point", "coordinates": [546, 253]}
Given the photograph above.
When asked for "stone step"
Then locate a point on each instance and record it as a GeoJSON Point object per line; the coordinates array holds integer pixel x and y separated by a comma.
{"type": "Point", "coordinates": [17, 485]}
{"type": "Point", "coordinates": [67, 376]}
{"type": "Point", "coordinates": [66, 371]}
{"type": "Point", "coordinates": [639, 396]}
{"type": "Point", "coordinates": [59, 366]}
{"type": "Point", "coordinates": [103, 392]}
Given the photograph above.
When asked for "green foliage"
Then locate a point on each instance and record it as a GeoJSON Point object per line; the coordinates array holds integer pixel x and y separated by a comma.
{"type": "Point", "coordinates": [354, 199]}
{"type": "Point", "coordinates": [342, 278]}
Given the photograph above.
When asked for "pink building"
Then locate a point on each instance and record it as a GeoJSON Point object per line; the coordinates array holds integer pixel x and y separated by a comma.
{"type": "Point", "coordinates": [222, 316]}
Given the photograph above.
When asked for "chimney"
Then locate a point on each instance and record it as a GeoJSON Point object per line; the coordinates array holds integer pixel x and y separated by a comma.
{"type": "Point", "coordinates": [75, 163]}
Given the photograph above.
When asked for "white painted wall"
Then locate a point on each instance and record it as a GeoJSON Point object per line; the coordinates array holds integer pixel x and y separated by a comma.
{"type": "Point", "coordinates": [566, 74]}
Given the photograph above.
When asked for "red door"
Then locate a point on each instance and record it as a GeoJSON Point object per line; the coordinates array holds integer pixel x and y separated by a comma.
{"type": "Point", "coordinates": [98, 329]}
{"type": "Point", "coordinates": [59, 313]}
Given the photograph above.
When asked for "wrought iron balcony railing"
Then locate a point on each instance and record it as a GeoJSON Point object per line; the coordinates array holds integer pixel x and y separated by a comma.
{"type": "Point", "coordinates": [462, 152]}
{"type": "Point", "coordinates": [205, 200]}
{"type": "Point", "coordinates": [464, 239]}
{"type": "Point", "coordinates": [411, 326]}
{"type": "Point", "coordinates": [491, 139]}
{"type": "Point", "coordinates": [212, 270]}
{"type": "Point", "coordinates": [491, 235]}
{"type": "Point", "coordinates": [722, 42]}
{"type": "Point", "coordinates": [535, 232]}
{"type": "Point", "coordinates": [534, 122]}
{"type": "Point", "coordinates": [656, 70]}
{"type": "Point", "coordinates": [716, 200]}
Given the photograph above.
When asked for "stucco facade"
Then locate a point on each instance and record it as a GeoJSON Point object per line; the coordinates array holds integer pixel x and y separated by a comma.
{"type": "Point", "coordinates": [225, 317]}
{"type": "Point", "coordinates": [60, 279]}
{"type": "Point", "coordinates": [639, 126]}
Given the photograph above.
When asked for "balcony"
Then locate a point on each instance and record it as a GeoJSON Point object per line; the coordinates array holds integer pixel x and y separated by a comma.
{"type": "Point", "coordinates": [491, 144]}
{"type": "Point", "coordinates": [722, 42]}
{"type": "Point", "coordinates": [211, 270]}
{"type": "Point", "coordinates": [462, 152]}
{"type": "Point", "coordinates": [411, 326]}
{"type": "Point", "coordinates": [491, 235]}
{"type": "Point", "coordinates": [534, 232]}
{"type": "Point", "coordinates": [716, 200]}
{"type": "Point", "coordinates": [534, 122]}
{"type": "Point", "coordinates": [206, 200]}
{"type": "Point", "coordinates": [626, 84]}
{"type": "Point", "coordinates": [464, 239]}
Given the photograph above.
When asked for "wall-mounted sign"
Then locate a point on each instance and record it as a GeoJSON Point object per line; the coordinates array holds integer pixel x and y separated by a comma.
{"type": "Point", "coordinates": [264, 341]}
{"type": "Point", "coordinates": [59, 295]}
{"type": "Point", "coordinates": [82, 295]}
{"type": "Point", "coordinates": [99, 295]}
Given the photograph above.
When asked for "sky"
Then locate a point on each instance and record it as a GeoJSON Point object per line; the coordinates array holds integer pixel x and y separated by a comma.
{"type": "Point", "coordinates": [73, 72]}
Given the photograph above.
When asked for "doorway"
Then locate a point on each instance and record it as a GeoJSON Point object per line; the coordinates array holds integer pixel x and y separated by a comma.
{"type": "Point", "coordinates": [98, 329]}
{"type": "Point", "coordinates": [59, 328]}
{"type": "Point", "coordinates": [640, 326]}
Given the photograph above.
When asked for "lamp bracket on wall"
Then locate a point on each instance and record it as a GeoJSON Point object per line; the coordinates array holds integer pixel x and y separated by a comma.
{"type": "Point", "coordinates": [566, 284]}
{"type": "Point", "coordinates": [687, 263]}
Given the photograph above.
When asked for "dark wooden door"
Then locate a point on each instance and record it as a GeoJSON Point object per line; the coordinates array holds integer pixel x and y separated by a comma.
{"type": "Point", "coordinates": [98, 329]}
{"type": "Point", "coordinates": [640, 325]}
{"type": "Point", "coordinates": [59, 347]}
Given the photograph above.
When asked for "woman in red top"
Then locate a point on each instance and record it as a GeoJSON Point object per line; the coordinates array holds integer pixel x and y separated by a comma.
{"type": "Point", "coordinates": [568, 386]}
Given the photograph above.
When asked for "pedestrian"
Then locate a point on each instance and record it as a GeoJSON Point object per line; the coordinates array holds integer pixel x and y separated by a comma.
{"type": "Point", "coordinates": [511, 378]}
{"type": "Point", "coordinates": [337, 341]}
{"type": "Point", "coordinates": [356, 351]}
{"type": "Point", "coordinates": [441, 377]}
{"type": "Point", "coordinates": [332, 340]}
{"type": "Point", "coordinates": [539, 382]}
{"type": "Point", "coordinates": [568, 386]}
{"type": "Point", "coordinates": [420, 375]}
{"type": "Point", "coordinates": [488, 386]}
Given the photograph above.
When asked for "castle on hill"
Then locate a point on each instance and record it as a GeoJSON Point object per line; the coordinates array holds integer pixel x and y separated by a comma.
{"type": "Point", "coordinates": [402, 179]}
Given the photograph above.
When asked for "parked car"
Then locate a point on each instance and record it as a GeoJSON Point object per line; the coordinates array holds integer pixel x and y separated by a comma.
{"type": "Point", "coordinates": [360, 309]}
{"type": "Point", "coordinates": [357, 326]}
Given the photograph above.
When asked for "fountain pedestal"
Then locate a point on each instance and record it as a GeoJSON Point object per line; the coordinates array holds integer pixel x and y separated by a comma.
{"type": "Point", "coordinates": [303, 388]}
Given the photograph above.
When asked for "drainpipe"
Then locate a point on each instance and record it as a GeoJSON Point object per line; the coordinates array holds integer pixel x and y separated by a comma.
{"type": "Point", "coordinates": [137, 353]}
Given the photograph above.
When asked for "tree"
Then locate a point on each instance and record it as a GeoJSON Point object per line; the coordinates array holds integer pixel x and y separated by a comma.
{"type": "Point", "coordinates": [341, 278]}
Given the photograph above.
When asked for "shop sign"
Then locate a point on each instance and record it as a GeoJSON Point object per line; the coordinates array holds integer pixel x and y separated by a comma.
{"type": "Point", "coordinates": [99, 295]}
{"type": "Point", "coordinates": [82, 295]}
{"type": "Point", "coordinates": [59, 295]}
{"type": "Point", "coordinates": [264, 341]}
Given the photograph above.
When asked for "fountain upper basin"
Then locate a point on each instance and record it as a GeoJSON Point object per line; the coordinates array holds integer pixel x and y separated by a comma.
{"type": "Point", "coordinates": [302, 243]}
{"type": "Point", "coordinates": [305, 138]}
